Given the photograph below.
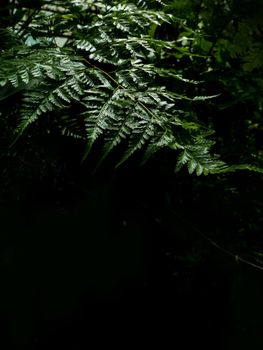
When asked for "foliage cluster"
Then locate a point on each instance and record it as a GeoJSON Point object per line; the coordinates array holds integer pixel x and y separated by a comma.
{"type": "Point", "coordinates": [78, 76]}
{"type": "Point", "coordinates": [125, 73]}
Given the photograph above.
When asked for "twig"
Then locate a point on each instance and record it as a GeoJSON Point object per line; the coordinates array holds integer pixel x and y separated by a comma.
{"type": "Point", "coordinates": [216, 245]}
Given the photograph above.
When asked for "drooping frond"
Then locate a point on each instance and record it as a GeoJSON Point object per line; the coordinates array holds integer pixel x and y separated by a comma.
{"type": "Point", "coordinates": [95, 70]}
{"type": "Point", "coordinates": [198, 159]}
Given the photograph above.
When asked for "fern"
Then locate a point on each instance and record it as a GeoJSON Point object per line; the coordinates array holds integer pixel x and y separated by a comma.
{"type": "Point", "coordinates": [198, 160]}
{"type": "Point", "coordinates": [107, 68]}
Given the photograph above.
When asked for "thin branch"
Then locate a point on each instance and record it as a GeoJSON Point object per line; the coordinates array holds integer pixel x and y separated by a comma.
{"type": "Point", "coordinates": [104, 72]}
{"type": "Point", "coordinates": [216, 245]}
{"type": "Point", "coordinates": [122, 87]}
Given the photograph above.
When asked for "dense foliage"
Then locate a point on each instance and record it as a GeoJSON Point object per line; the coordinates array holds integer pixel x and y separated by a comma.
{"type": "Point", "coordinates": [93, 70]}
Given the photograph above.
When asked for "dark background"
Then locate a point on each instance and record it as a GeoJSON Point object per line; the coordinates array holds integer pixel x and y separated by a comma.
{"type": "Point", "coordinates": [118, 258]}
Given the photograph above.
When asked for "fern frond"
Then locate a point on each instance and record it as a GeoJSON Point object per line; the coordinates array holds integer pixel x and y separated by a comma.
{"type": "Point", "coordinates": [104, 81]}
{"type": "Point", "coordinates": [143, 130]}
{"type": "Point", "coordinates": [198, 158]}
